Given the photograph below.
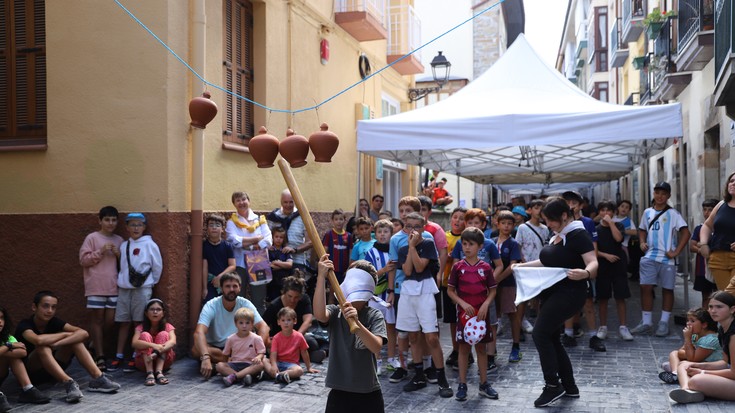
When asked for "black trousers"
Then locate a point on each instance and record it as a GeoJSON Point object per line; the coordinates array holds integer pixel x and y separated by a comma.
{"type": "Point", "coordinates": [343, 401]}
{"type": "Point", "coordinates": [559, 305]}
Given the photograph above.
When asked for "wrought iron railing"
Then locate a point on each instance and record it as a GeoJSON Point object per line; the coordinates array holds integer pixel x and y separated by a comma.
{"type": "Point", "coordinates": [693, 17]}
{"type": "Point", "coordinates": [632, 8]}
{"type": "Point", "coordinates": [616, 36]}
{"type": "Point", "coordinates": [661, 61]}
{"type": "Point", "coordinates": [723, 34]}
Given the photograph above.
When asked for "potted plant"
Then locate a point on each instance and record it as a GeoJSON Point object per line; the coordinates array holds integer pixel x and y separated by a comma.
{"type": "Point", "coordinates": [639, 62]}
{"type": "Point", "coordinates": [655, 20]}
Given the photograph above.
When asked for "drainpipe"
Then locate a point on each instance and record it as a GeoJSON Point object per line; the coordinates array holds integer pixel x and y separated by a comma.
{"type": "Point", "coordinates": [197, 170]}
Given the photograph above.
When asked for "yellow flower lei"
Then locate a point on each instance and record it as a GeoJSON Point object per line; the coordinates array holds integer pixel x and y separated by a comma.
{"type": "Point", "coordinates": [250, 227]}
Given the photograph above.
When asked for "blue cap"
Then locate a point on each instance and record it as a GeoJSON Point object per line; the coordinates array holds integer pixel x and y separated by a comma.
{"type": "Point", "coordinates": [520, 211]}
{"type": "Point", "coordinates": [135, 215]}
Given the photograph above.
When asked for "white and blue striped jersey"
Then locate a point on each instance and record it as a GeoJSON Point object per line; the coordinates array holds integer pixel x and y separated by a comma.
{"type": "Point", "coordinates": [663, 234]}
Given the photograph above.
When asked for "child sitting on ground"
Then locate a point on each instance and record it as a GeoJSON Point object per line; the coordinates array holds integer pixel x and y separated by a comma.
{"type": "Point", "coordinates": [472, 287]}
{"type": "Point", "coordinates": [245, 351]}
{"type": "Point", "coordinates": [154, 341]}
{"type": "Point", "coordinates": [98, 257]}
{"type": "Point", "coordinates": [286, 347]}
{"type": "Point", "coordinates": [12, 354]}
{"type": "Point", "coordinates": [700, 344]}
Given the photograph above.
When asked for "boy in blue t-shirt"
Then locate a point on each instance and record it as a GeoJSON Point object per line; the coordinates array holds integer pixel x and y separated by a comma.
{"type": "Point", "coordinates": [363, 239]}
{"type": "Point", "coordinates": [218, 256]}
{"type": "Point", "coordinates": [510, 253]}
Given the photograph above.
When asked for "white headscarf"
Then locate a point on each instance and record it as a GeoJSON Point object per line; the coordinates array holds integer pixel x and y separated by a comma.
{"type": "Point", "coordinates": [569, 228]}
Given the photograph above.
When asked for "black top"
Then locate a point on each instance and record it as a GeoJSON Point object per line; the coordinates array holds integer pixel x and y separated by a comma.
{"type": "Point", "coordinates": [426, 249]}
{"type": "Point", "coordinates": [569, 255]}
{"type": "Point", "coordinates": [271, 313]}
{"type": "Point", "coordinates": [55, 325]}
{"type": "Point", "coordinates": [724, 337]}
{"type": "Point", "coordinates": [724, 231]}
{"type": "Point", "coordinates": [605, 241]}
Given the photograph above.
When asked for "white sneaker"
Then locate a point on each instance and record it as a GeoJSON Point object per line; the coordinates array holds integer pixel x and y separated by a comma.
{"type": "Point", "coordinates": [380, 367]}
{"type": "Point", "coordinates": [625, 333]}
{"type": "Point", "coordinates": [395, 363]}
{"type": "Point", "coordinates": [527, 326]}
{"type": "Point", "coordinates": [602, 332]}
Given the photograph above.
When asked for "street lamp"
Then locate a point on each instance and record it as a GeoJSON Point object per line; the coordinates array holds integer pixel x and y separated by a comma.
{"type": "Point", "coordinates": [440, 67]}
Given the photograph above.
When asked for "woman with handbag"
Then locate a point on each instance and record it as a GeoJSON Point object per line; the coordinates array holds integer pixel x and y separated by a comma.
{"type": "Point", "coordinates": [247, 230]}
{"type": "Point", "coordinates": [717, 239]}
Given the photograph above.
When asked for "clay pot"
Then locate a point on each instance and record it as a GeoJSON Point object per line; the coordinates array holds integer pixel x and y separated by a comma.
{"type": "Point", "coordinates": [323, 144]}
{"type": "Point", "coordinates": [202, 110]}
{"type": "Point", "coordinates": [294, 148]}
{"type": "Point", "coordinates": [263, 148]}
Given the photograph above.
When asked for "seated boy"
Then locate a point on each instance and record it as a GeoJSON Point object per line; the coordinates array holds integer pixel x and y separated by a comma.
{"type": "Point", "coordinates": [441, 197]}
{"type": "Point", "coordinates": [51, 343]}
{"type": "Point", "coordinates": [286, 347]}
{"type": "Point", "coordinates": [245, 351]}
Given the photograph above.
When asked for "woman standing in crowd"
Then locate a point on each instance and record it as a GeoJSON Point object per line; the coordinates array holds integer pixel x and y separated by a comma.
{"type": "Point", "coordinates": [363, 210]}
{"type": "Point", "coordinates": [570, 247]}
{"type": "Point", "coordinates": [245, 229]}
{"type": "Point", "coordinates": [717, 239]}
{"type": "Point", "coordinates": [714, 379]}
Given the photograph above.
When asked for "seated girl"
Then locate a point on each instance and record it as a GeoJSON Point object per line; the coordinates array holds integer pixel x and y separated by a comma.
{"type": "Point", "coordinates": [154, 341]}
{"type": "Point", "coordinates": [700, 344]}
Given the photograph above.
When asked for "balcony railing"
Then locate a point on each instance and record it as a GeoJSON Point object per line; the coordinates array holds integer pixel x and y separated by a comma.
{"type": "Point", "coordinates": [363, 19]}
{"type": "Point", "coordinates": [618, 48]}
{"type": "Point", "coordinates": [404, 35]}
{"type": "Point", "coordinates": [723, 35]}
{"type": "Point", "coordinates": [661, 61]}
{"type": "Point", "coordinates": [694, 16]}
{"type": "Point", "coordinates": [634, 11]}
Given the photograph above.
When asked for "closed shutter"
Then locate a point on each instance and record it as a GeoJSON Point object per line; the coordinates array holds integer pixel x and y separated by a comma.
{"type": "Point", "coordinates": [238, 70]}
{"type": "Point", "coordinates": [23, 73]}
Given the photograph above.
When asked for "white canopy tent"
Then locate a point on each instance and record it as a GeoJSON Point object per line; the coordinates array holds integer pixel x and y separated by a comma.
{"type": "Point", "coordinates": [522, 122]}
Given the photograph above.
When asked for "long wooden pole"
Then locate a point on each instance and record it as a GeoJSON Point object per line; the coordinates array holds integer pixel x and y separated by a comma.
{"type": "Point", "coordinates": [312, 232]}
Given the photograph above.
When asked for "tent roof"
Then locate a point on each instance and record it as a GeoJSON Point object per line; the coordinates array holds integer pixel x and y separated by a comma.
{"type": "Point", "coordinates": [521, 121]}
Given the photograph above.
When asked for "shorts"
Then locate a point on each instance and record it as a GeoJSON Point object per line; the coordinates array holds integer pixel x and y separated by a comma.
{"type": "Point", "coordinates": [396, 299]}
{"type": "Point", "coordinates": [702, 284]}
{"type": "Point", "coordinates": [612, 281]}
{"type": "Point", "coordinates": [131, 304]}
{"type": "Point", "coordinates": [505, 299]}
{"type": "Point", "coordinates": [656, 273]}
{"type": "Point", "coordinates": [449, 309]}
{"type": "Point", "coordinates": [438, 299]}
{"type": "Point", "coordinates": [417, 313]}
{"type": "Point", "coordinates": [389, 313]}
{"type": "Point", "coordinates": [285, 365]}
{"type": "Point", "coordinates": [238, 365]}
{"type": "Point", "coordinates": [101, 301]}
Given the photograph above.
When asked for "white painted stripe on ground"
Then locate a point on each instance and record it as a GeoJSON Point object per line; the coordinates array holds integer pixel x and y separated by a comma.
{"type": "Point", "coordinates": [267, 408]}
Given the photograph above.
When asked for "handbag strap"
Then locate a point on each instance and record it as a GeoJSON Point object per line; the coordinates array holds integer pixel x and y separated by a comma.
{"type": "Point", "coordinates": [534, 231]}
{"type": "Point", "coordinates": [132, 269]}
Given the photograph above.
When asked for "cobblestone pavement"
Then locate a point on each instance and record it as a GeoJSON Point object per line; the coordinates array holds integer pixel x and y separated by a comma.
{"type": "Point", "coordinates": [622, 379]}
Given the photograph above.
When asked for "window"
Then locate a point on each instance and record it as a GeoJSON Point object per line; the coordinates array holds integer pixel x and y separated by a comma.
{"type": "Point", "coordinates": [238, 71]}
{"type": "Point", "coordinates": [389, 106]}
{"type": "Point", "coordinates": [600, 38]}
{"type": "Point", "coordinates": [600, 92]}
{"type": "Point", "coordinates": [23, 74]}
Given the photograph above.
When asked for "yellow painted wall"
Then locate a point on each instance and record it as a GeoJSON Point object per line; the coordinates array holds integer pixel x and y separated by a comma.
{"type": "Point", "coordinates": [118, 120]}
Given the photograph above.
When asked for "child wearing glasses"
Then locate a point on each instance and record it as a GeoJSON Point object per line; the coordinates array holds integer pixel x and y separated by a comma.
{"type": "Point", "coordinates": [154, 341]}
{"type": "Point", "coordinates": [218, 256]}
{"type": "Point", "coordinates": [140, 270]}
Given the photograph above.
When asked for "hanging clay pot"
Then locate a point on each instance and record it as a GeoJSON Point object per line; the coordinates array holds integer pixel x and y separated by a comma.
{"type": "Point", "coordinates": [263, 148]}
{"type": "Point", "coordinates": [294, 149]}
{"type": "Point", "coordinates": [323, 144]}
{"type": "Point", "coordinates": [202, 110]}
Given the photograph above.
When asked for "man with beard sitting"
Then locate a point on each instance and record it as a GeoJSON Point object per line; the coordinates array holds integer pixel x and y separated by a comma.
{"type": "Point", "coordinates": [215, 324]}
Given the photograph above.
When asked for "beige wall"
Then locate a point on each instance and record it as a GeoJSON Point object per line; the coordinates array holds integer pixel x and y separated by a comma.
{"type": "Point", "coordinates": [118, 121]}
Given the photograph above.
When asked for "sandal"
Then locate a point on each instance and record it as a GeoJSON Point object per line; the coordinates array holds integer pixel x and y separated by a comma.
{"type": "Point", "coordinates": [160, 378]}
{"type": "Point", "coordinates": [149, 379]}
{"type": "Point", "coordinates": [669, 378]}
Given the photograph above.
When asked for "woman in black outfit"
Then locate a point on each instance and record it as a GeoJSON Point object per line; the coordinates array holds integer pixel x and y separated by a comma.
{"type": "Point", "coordinates": [571, 247]}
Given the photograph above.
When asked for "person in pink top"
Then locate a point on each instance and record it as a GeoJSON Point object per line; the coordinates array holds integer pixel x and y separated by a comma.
{"type": "Point", "coordinates": [245, 352]}
{"type": "Point", "coordinates": [154, 341]}
{"type": "Point", "coordinates": [98, 257]}
{"type": "Point", "coordinates": [286, 347]}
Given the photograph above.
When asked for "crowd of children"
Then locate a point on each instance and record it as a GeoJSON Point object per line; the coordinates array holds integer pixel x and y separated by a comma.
{"type": "Point", "coordinates": [402, 276]}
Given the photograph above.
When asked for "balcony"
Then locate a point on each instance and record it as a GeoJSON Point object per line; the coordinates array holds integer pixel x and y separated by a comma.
{"type": "Point", "coordinates": [618, 49]}
{"type": "Point", "coordinates": [634, 11]}
{"type": "Point", "coordinates": [724, 57]}
{"type": "Point", "coordinates": [404, 36]}
{"type": "Point", "coordinates": [666, 82]}
{"type": "Point", "coordinates": [362, 19]}
{"type": "Point", "coordinates": [696, 34]}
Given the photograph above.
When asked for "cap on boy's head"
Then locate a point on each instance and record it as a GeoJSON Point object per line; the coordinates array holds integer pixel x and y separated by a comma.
{"type": "Point", "coordinates": [358, 285]}
{"type": "Point", "coordinates": [572, 196]}
{"type": "Point", "coordinates": [520, 211]}
{"type": "Point", "coordinates": [135, 215]}
{"type": "Point", "coordinates": [663, 185]}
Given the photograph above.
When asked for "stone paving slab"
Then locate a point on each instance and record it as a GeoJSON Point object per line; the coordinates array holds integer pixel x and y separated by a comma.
{"type": "Point", "coordinates": [623, 379]}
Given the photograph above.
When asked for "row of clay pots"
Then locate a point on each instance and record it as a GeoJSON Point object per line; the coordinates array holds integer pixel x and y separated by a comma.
{"type": "Point", "coordinates": [264, 148]}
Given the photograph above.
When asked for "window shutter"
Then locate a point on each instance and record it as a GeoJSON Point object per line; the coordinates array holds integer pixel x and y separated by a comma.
{"type": "Point", "coordinates": [237, 65]}
{"type": "Point", "coordinates": [23, 73]}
